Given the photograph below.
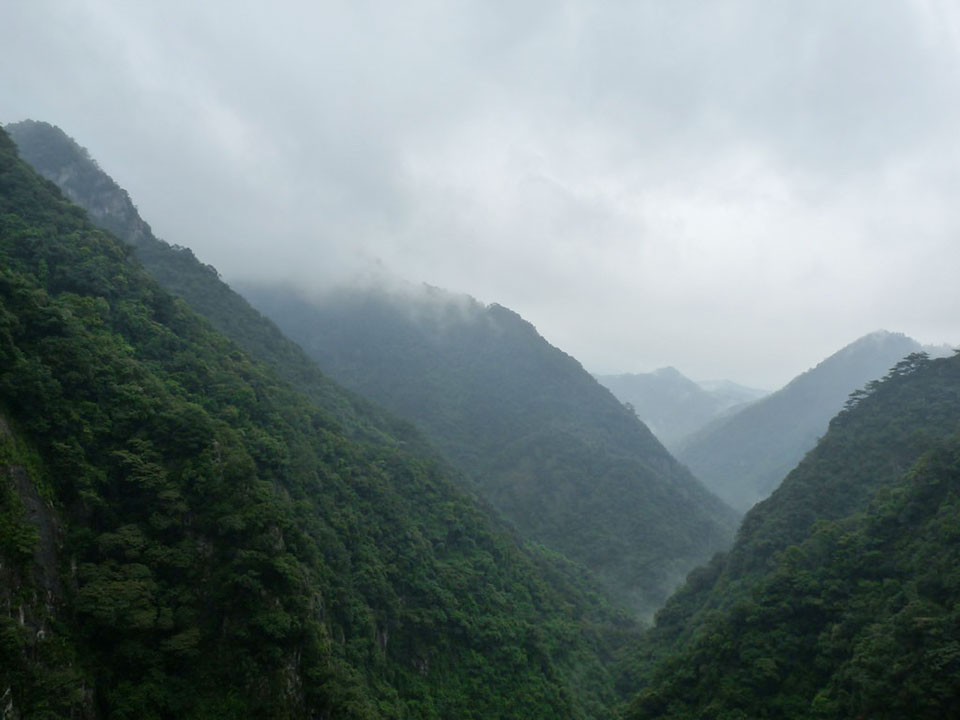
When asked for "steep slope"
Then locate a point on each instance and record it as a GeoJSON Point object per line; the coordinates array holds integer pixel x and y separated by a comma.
{"type": "Point", "coordinates": [183, 535]}
{"type": "Point", "coordinates": [60, 159]}
{"type": "Point", "coordinates": [661, 563]}
{"type": "Point", "coordinates": [672, 405]}
{"type": "Point", "coordinates": [841, 596]}
{"type": "Point", "coordinates": [744, 457]}
{"type": "Point", "coordinates": [544, 442]}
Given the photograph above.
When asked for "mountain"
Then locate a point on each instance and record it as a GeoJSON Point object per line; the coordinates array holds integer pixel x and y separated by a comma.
{"type": "Point", "coordinates": [672, 405]}
{"type": "Point", "coordinates": [641, 564]}
{"type": "Point", "coordinates": [184, 534]}
{"type": "Point", "coordinates": [61, 160]}
{"type": "Point", "coordinates": [744, 456]}
{"type": "Point", "coordinates": [841, 595]}
{"type": "Point", "coordinates": [731, 394]}
{"type": "Point", "coordinates": [544, 443]}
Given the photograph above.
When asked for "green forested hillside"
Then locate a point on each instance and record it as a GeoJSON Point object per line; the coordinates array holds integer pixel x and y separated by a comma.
{"type": "Point", "coordinates": [743, 457]}
{"type": "Point", "coordinates": [544, 442]}
{"type": "Point", "coordinates": [530, 425]}
{"type": "Point", "coordinates": [60, 159]}
{"type": "Point", "coordinates": [183, 535]}
{"type": "Point", "coordinates": [841, 596]}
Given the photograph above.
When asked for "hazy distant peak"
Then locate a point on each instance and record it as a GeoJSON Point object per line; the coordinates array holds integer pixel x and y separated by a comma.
{"type": "Point", "coordinates": [672, 405]}
{"type": "Point", "coordinates": [878, 336]}
{"type": "Point", "coordinates": [744, 456]}
{"type": "Point", "coordinates": [882, 336]}
{"type": "Point", "coordinates": [729, 386]}
{"type": "Point", "coordinates": [670, 371]}
{"type": "Point", "coordinates": [422, 300]}
{"type": "Point", "coordinates": [889, 343]}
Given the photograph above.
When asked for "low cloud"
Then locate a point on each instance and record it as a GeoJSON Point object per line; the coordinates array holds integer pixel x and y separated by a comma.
{"type": "Point", "coordinates": [733, 188]}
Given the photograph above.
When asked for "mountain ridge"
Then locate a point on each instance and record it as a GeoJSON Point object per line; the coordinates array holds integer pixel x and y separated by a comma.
{"type": "Point", "coordinates": [743, 457]}
{"type": "Point", "coordinates": [64, 162]}
{"type": "Point", "coordinates": [674, 406]}
{"type": "Point", "coordinates": [181, 273]}
{"type": "Point", "coordinates": [226, 549]}
{"type": "Point", "coordinates": [540, 437]}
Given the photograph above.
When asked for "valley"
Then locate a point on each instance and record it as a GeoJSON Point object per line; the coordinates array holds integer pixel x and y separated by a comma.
{"type": "Point", "coordinates": [391, 500]}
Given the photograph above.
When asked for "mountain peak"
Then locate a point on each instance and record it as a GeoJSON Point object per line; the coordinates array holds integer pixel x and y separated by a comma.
{"type": "Point", "coordinates": [882, 336]}
{"type": "Point", "coordinates": [670, 372]}
{"type": "Point", "coordinates": [744, 456]}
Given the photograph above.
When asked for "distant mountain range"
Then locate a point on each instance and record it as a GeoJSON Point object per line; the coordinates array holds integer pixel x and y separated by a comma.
{"type": "Point", "coordinates": [673, 406]}
{"type": "Point", "coordinates": [743, 456]}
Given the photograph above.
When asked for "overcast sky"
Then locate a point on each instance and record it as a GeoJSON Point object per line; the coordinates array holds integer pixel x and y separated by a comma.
{"type": "Point", "coordinates": [734, 188]}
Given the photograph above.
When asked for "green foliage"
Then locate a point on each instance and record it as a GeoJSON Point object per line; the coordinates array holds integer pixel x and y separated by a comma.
{"type": "Point", "coordinates": [537, 434]}
{"type": "Point", "coordinates": [224, 549]}
{"type": "Point", "coordinates": [176, 269]}
{"type": "Point", "coordinates": [543, 442]}
{"type": "Point", "coordinates": [38, 669]}
{"type": "Point", "coordinates": [744, 456]}
{"type": "Point", "coordinates": [841, 597]}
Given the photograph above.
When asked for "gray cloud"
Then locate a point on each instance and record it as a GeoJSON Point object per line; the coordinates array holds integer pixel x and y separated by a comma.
{"type": "Point", "coordinates": [735, 188]}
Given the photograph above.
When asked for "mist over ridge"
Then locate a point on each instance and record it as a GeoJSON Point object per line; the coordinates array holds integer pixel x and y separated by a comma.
{"type": "Point", "coordinates": [743, 456]}
{"type": "Point", "coordinates": [731, 189]}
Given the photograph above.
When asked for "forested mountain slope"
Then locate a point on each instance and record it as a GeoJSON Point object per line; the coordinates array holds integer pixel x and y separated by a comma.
{"type": "Point", "coordinates": [672, 405]}
{"type": "Point", "coordinates": [184, 535]}
{"type": "Point", "coordinates": [544, 442]}
{"type": "Point", "coordinates": [841, 596]}
{"type": "Point", "coordinates": [744, 457]}
{"type": "Point", "coordinates": [661, 560]}
{"type": "Point", "coordinates": [60, 159]}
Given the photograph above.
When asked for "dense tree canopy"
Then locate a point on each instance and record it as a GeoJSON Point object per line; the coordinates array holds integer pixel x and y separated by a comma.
{"type": "Point", "coordinates": [184, 535]}
{"type": "Point", "coordinates": [548, 446]}
{"type": "Point", "coordinates": [841, 597]}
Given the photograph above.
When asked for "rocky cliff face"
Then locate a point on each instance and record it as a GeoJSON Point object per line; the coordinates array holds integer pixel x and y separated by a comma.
{"type": "Point", "coordinates": [78, 176]}
{"type": "Point", "coordinates": [36, 658]}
